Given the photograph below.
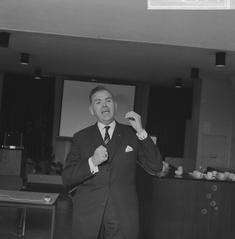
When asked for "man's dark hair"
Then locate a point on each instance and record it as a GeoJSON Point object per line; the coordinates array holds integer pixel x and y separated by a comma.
{"type": "Point", "coordinates": [96, 89]}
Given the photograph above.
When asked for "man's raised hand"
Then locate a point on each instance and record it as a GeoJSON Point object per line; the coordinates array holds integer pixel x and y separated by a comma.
{"type": "Point", "coordinates": [134, 120]}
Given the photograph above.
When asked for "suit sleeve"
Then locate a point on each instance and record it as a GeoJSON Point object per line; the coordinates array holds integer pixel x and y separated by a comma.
{"type": "Point", "coordinates": [76, 168]}
{"type": "Point", "coordinates": [149, 156]}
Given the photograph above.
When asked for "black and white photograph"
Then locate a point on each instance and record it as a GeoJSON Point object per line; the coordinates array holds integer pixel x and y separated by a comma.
{"type": "Point", "coordinates": [117, 119]}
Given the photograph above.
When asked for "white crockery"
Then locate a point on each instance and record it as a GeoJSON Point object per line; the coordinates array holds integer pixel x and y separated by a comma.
{"type": "Point", "coordinates": [197, 174]}
{"type": "Point", "coordinates": [220, 176]}
{"type": "Point", "coordinates": [178, 172]}
{"type": "Point", "coordinates": [209, 175]}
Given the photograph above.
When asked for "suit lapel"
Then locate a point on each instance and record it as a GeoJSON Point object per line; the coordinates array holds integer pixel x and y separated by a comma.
{"type": "Point", "coordinates": [116, 141]}
{"type": "Point", "coordinates": [96, 137]}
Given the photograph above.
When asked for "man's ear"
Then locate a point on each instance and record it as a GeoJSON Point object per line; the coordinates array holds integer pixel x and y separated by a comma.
{"type": "Point", "coordinates": [91, 110]}
{"type": "Point", "coordinates": [115, 105]}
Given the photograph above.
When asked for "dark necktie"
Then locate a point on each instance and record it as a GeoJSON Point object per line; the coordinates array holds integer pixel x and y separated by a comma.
{"type": "Point", "coordinates": [106, 136]}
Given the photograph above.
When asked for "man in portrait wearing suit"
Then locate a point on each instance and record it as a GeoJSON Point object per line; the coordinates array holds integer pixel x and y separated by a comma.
{"type": "Point", "coordinates": [102, 166]}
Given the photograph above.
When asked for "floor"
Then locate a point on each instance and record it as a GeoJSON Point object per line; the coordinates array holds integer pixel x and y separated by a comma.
{"type": "Point", "coordinates": [38, 221]}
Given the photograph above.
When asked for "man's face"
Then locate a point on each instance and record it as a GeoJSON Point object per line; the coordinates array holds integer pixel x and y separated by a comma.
{"type": "Point", "coordinates": [103, 107]}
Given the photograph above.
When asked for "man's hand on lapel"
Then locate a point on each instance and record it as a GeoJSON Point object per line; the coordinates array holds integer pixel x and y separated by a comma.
{"type": "Point", "coordinates": [135, 121]}
{"type": "Point", "coordinates": [100, 155]}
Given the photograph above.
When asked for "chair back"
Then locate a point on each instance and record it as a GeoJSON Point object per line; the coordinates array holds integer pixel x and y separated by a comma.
{"type": "Point", "coordinates": [10, 182]}
{"type": "Point", "coordinates": [11, 169]}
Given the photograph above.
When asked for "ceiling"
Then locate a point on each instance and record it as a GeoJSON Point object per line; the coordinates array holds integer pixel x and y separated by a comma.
{"type": "Point", "coordinates": [120, 40]}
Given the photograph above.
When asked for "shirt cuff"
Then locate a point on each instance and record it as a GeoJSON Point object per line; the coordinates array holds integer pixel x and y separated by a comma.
{"type": "Point", "coordinates": [94, 169]}
{"type": "Point", "coordinates": [142, 135]}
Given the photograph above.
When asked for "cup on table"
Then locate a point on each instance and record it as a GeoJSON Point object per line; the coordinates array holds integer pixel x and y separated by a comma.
{"type": "Point", "coordinates": [227, 174]}
{"type": "Point", "coordinates": [214, 173]}
{"type": "Point", "coordinates": [197, 174]}
{"type": "Point", "coordinates": [165, 167]}
{"type": "Point", "coordinates": [221, 176]}
{"type": "Point", "coordinates": [209, 175]}
{"type": "Point", "coordinates": [232, 176]}
{"type": "Point", "coordinates": [179, 171]}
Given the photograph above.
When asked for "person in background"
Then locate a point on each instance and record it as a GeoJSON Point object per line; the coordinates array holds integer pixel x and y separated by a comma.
{"type": "Point", "coordinates": [102, 166]}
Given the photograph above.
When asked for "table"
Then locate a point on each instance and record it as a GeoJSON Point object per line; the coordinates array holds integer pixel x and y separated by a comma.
{"type": "Point", "coordinates": [25, 199]}
{"type": "Point", "coordinates": [182, 208]}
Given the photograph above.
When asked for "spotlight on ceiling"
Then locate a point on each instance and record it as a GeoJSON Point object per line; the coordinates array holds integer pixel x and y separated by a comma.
{"type": "Point", "coordinates": [24, 58]}
{"type": "Point", "coordinates": [220, 59]}
{"type": "Point", "coordinates": [37, 74]}
{"type": "Point", "coordinates": [194, 73]}
{"type": "Point", "coordinates": [179, 83]}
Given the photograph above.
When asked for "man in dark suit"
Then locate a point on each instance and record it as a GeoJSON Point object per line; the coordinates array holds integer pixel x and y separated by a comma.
{"type": "Point", "coordinates": [102, 164]}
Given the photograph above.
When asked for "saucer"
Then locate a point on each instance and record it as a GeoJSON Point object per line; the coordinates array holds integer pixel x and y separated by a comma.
{"type": "Point", "coordinates": [207, 178]}
{"type": "Point", "coordinates": [221, 179]}
{"type": "Point", "coordinates": [196, 177]}
{"type": "Point", "coordinates": [178, 176]}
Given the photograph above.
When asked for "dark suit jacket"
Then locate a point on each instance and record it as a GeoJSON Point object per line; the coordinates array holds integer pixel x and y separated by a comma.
{"type": "Point", "coordinates": [115, 179]}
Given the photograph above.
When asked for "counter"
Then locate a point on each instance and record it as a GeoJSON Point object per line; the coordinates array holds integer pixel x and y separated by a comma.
{"type": "Point", "coordinates": [186, 208]}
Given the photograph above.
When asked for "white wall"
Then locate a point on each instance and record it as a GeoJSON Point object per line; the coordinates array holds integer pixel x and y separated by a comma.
{"type": "Point", "coordinates": [62, 148]}
{"type": "Point", "coordinates": [216, 123]}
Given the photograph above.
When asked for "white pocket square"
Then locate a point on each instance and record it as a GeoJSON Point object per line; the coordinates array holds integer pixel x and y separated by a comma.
{"type": "Point", "coordinates": [128, 149]}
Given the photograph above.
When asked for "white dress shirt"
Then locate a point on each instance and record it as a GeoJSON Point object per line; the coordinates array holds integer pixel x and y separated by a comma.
{"type": "Point", "coordinates": [110, 131]}
{"type": "Point", "coordinates": [94, 169]}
